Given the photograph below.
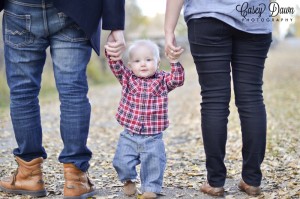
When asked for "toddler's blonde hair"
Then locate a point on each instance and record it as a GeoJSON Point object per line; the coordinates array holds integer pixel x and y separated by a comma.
{"type": "Point", "coordinates": [145, 42]}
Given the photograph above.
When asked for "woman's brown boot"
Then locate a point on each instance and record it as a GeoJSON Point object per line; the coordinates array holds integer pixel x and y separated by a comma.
{"type": "Point", "coordinates": [250, 190]}
{"type": "Point", "coordinates": [213, 191]}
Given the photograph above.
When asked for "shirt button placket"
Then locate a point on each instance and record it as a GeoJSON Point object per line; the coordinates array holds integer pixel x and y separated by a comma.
{"type": "Point", "coordinates": [143, 105]}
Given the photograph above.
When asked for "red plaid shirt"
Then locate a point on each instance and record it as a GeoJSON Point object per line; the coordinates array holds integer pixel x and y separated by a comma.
{"type": "Point", "coordinates": [143, 108]}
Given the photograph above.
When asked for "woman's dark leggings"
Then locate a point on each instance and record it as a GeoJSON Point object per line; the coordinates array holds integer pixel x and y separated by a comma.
{"type": "Point", "coordinates": [217, 48]}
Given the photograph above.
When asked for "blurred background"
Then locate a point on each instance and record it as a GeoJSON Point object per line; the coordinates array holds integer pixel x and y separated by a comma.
{"type": "Point", "coordinates": [144, 19]}
{"type": "Point", "coordinates": [186, 167]}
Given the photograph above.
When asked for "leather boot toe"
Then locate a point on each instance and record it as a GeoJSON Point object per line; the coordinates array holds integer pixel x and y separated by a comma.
{"type": "Point", "coordinates": [213, 191]}
{"type": "Point", "coordinates": [250, 190]}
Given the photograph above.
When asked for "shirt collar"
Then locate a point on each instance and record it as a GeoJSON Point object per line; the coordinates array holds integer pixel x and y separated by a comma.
{"type": "Point", "coordinates": [151, 77]}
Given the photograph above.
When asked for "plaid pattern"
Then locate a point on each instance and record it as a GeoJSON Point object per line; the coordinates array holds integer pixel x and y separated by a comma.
{"type": "Point", "coordinates": [143, 108]}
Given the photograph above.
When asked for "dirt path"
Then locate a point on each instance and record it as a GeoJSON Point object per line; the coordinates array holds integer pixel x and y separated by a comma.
{"type": "Point", "coordinates": [186, 167]}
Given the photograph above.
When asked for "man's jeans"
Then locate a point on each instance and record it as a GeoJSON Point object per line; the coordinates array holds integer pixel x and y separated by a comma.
{"type": "Point", "coordinates": [29, 27]}
{"type": "Point", "coordinates": [149, 151]}
{"type": "Point", "coordinates": [215, 46]}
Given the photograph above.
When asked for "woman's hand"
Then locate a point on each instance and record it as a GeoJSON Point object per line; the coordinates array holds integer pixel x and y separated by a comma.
{"type": "Point", "coordinates": [172, 51]}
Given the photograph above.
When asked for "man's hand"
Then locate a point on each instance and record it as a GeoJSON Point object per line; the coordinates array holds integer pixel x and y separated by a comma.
{"type": "Point", "coordinates": [115, 45]}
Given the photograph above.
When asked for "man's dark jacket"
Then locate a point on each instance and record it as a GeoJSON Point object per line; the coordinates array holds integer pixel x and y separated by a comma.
{"type": "Point", "coordinates": [88, 14]}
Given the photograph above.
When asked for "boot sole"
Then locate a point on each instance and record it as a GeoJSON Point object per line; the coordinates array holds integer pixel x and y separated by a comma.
{"type": "Point", "coordinates": [83, 196]}
{"type": "Point", "coordinates": [40, 193]}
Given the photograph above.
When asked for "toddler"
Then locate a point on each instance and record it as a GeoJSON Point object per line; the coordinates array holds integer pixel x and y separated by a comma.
{"type": "Point", "coordinates": [143, 112]}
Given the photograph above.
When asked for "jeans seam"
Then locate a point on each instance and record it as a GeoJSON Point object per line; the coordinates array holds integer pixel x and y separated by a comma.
{"type": "Point", "coordinates": [45, 18]}
{"type": "Point", "coordinates": [73, 40]}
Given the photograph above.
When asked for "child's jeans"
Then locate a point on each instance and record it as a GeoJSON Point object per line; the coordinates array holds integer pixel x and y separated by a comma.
{"type": "Point", "coordinates": [134, 149]}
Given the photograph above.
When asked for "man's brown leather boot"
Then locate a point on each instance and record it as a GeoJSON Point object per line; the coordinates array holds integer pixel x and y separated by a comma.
{"type": "Point", "coordinates": [77, 183]}
{"type": "Point", "coordinates": [27, 179]}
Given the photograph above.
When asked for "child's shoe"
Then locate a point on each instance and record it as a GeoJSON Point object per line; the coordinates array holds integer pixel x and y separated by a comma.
{"type": "Point", "coordinates": [148, 195]}
{"type": "Point", "coordinates": [129, 188]}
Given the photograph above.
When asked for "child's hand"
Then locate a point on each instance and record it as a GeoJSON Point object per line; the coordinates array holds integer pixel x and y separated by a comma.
{"type": "Point", "coordinates": [115, 45]}
{"type": "Point", "coordinates": [174, 55]}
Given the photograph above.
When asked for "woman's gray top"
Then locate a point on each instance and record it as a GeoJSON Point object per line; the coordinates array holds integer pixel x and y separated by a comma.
{"type": "Point", "coordinates": [251, 16]}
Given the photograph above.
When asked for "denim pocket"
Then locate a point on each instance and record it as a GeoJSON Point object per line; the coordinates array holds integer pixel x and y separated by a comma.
{"type": "Point", "coordinates": [17, 29]}
{"type": "Point", "coordinates": [124, 133]}
{"type": "Point", "coordinates": [158, 136]}
{"type": "Point", "coordinates": [256, 38]}
{"type": "Point", "coordinates": [265, 38]}
{"type": "Point", "coordinates": [70, 31]}
{"type": "Point", "coordinates": [206, 31]}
